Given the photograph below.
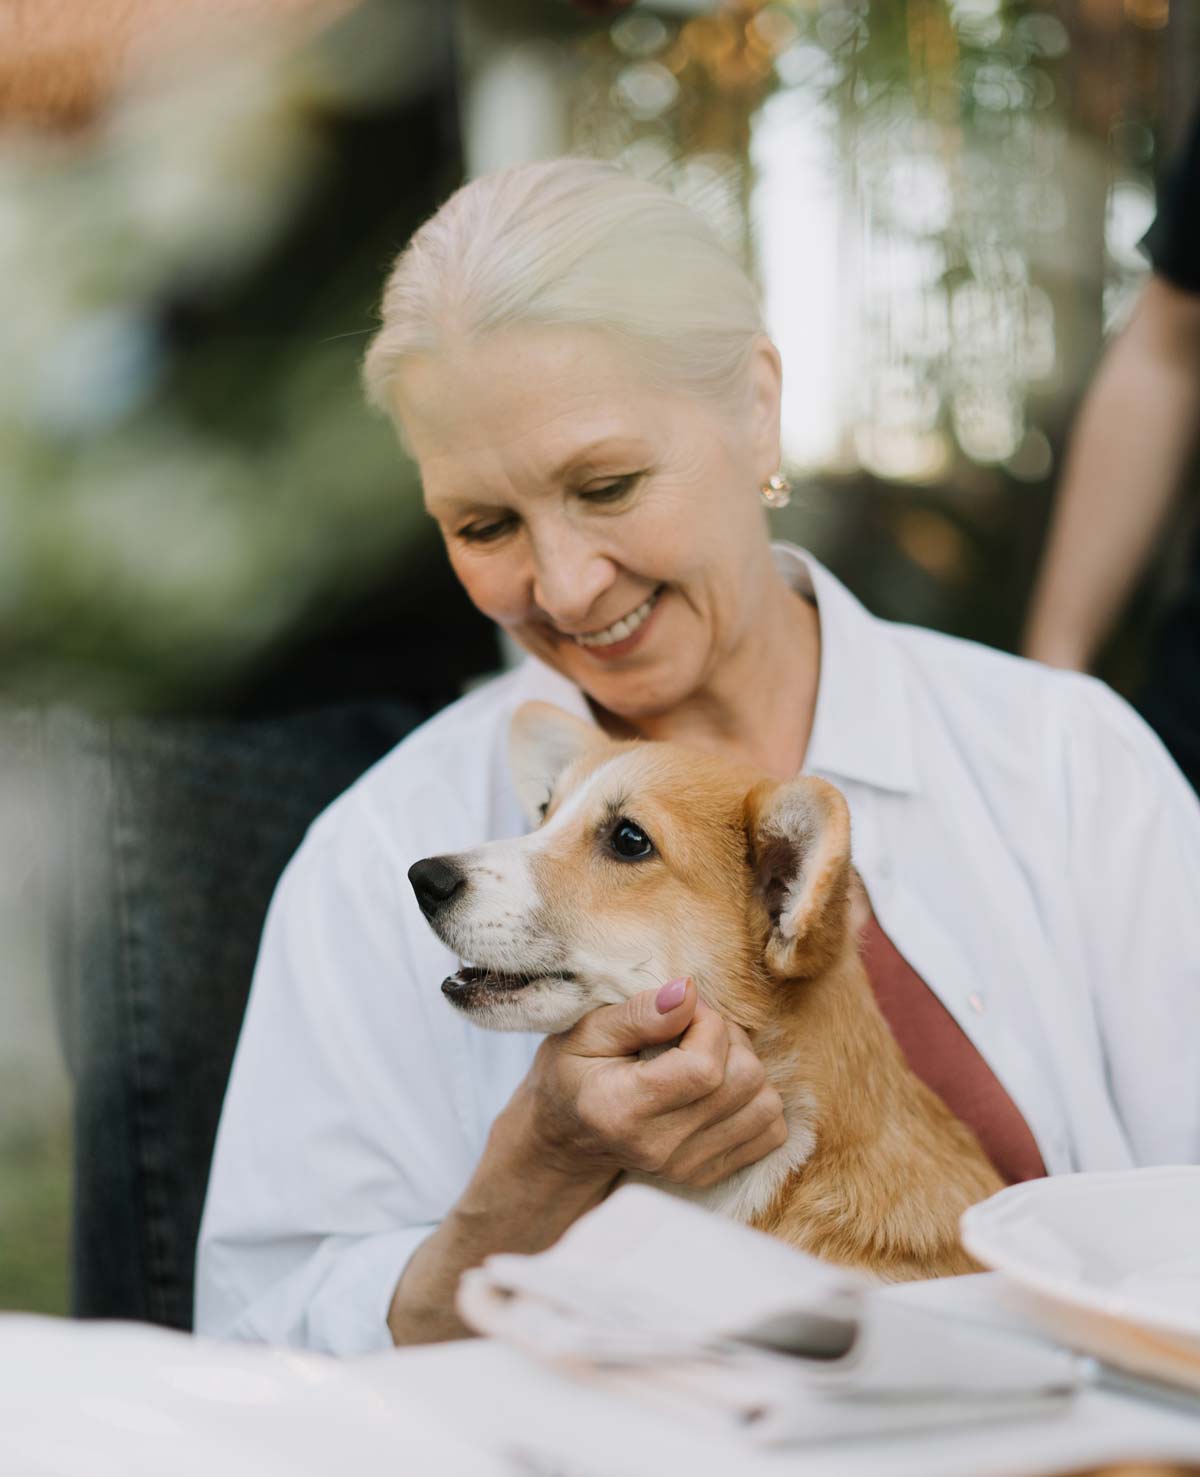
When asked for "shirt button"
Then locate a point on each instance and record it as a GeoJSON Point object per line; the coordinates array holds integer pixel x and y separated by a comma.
{"type": "Point", "coordinates": [975, 1001]}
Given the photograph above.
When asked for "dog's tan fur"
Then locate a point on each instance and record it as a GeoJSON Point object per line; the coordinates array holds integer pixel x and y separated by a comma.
{"type": "Point", "coordinates": [750, 892]}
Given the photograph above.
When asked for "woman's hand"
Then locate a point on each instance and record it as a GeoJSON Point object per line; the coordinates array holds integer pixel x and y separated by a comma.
{"type": "Point", "coordinates": [701, 1109]}
{"type": "Point", "coordinates": [588, 1108]}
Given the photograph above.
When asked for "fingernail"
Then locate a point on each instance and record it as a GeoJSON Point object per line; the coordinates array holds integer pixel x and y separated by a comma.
{"type": "Point", "coordinates": [670, 995]}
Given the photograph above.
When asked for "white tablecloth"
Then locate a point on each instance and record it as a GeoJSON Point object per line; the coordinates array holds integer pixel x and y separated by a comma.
{"type": "Point", "coordinates": [94, 1400]}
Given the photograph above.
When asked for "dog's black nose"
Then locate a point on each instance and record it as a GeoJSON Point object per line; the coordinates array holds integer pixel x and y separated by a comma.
{"type": "Point", "coordinates": [435, 880]}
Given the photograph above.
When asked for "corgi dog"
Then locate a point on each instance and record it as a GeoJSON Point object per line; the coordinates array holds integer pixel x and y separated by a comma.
{"type": "Point", "coordinates": [651, 861]}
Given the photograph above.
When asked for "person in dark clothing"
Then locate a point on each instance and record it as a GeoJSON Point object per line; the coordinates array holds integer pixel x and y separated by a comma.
{"type": "Point", "coordinates": [1128, 464]}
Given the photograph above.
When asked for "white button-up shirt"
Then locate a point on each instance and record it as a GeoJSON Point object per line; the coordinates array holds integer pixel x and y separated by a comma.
{"type": "Point", "coordinates": [1027, 844]}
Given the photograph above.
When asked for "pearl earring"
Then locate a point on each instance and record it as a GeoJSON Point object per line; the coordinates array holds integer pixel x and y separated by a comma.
{"type": "Point", "coordinates": [776, 491]}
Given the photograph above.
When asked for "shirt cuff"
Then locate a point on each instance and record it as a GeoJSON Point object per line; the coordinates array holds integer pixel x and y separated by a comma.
{"type": "Point", "coordinates": [348, 1312]}
{"type": "Point", "coordinates": [335, 1300]}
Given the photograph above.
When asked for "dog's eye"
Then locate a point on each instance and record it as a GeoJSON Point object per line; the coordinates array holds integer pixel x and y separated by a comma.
{"type": "Point", "coordinates": [629, 841]}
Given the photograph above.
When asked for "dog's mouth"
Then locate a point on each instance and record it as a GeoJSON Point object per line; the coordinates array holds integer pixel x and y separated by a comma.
{"type": "Point", "coordinates": [471, 984]}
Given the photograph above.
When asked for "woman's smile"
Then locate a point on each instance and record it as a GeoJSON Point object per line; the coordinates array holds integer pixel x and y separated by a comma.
{"type": "Point", "coordinates": [624, 634]}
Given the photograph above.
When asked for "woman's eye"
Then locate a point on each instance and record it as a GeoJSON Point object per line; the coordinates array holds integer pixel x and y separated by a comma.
{"type": "Point", "coordinates": [629, 841]}
{"type": "Point", "coordinates": [485, 533]}
{"type": "Point", "coordinates": [611, 492]}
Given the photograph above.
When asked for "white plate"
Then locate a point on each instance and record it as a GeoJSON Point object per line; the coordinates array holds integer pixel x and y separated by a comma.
{"type": "Point", "coordinates": [1108, 1263]}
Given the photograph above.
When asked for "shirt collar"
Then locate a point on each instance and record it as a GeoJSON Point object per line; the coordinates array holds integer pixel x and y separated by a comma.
{"type": "Point", "coordinates": [862, 727]}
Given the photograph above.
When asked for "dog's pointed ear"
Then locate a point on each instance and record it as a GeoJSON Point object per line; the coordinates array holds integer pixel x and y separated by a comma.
{"type": "Point", "coordinates": [799, 835]}
{"type": "Point", "coordinates": [542, 741]}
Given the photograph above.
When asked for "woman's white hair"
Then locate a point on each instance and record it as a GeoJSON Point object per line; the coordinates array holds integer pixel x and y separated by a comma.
{"type": "Point", "coordinates": [574, 242]}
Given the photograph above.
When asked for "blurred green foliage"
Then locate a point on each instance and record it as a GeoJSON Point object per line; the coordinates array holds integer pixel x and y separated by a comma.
{"type": "Point", "coordinates": [175, 499]}
{"type": "Point", "coordinates": [34, 1177]}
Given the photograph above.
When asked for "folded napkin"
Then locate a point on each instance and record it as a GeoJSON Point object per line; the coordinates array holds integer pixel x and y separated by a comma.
{"type": "Point", "coordinates": [657, 1297]}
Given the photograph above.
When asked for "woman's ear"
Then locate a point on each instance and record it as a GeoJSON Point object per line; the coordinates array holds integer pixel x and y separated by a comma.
{"type": "Point", "coordinates": [800, 847]}
{"type": "Point", "coordinates": [542, 741]}
{"type": "Point", "coordinates": [765, 398]}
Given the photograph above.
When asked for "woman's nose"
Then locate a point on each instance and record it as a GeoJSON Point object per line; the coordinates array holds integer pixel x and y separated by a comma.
{"type": "Point", "coordinates": [570, 576]}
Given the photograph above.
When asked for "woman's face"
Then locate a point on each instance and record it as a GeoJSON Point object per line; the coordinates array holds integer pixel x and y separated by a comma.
{"type": "Point", "coordinates": [612, 528]}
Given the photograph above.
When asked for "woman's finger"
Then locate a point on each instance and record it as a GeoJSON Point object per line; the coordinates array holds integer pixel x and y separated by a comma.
{"type": "Point", "coordinates": [691, 1070]}
{"type": "Point", "coordinates": [774, 1136]}
{"type": "Point", "coordinates": [712, 1143]}
{"type": "Point", "coordinates": [745, 1077]}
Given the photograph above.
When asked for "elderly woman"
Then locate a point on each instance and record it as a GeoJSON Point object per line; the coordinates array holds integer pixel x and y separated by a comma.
{"type": "Point", "coordinates": [583, 377]}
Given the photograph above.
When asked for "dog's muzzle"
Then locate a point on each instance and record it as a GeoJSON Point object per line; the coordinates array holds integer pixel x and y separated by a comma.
{"type": "Point", "coordinates": [435, 880]}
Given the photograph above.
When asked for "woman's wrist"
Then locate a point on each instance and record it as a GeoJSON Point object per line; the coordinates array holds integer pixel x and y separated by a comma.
{"type": "Point", "coordinates": [541, 1186]}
